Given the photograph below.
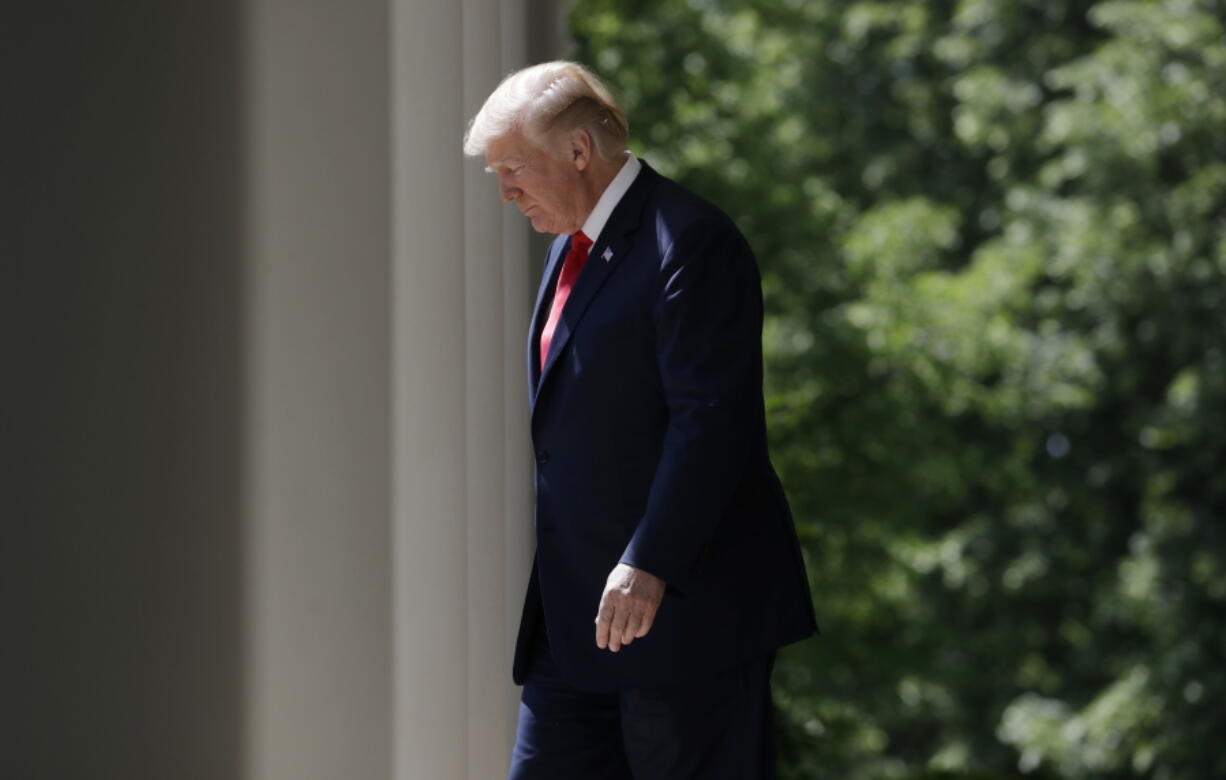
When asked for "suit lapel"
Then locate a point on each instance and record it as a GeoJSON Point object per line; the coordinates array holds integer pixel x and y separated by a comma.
{"type": "Point", "coordinates": [556, 252]}
{"type": "Point", "coordinates": [603, 259]}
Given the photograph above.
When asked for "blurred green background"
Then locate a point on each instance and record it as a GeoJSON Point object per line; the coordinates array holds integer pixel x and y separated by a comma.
{"type": "Point", "coordinates": [993, 239]}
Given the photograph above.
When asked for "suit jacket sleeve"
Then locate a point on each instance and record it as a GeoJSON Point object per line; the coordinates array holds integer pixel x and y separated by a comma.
{"type": "Point", "coordinates": [708, 316]}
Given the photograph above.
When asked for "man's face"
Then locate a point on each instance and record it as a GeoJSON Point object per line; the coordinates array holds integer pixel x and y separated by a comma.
{"type": "Point", "coordinates": [547, 189]}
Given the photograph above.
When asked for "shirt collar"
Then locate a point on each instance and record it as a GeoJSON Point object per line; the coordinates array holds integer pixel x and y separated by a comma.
{"type": "Point", "coordinates": [611, 196]}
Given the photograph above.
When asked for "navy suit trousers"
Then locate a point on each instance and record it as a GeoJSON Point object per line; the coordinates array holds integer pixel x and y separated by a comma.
{"type": "Point", "coordinates": [715, 728]}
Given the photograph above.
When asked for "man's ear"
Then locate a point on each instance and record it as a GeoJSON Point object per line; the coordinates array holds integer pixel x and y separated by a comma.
{"type": "Point", "coordinates": [580, 149]}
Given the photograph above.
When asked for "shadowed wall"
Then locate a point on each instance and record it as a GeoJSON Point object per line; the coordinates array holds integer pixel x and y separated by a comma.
{"type": "Point", "coordinates": [119, 551]}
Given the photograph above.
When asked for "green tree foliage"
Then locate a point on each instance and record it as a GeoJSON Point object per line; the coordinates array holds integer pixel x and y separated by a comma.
{"type": "Point", "coordinates": [993, 238]}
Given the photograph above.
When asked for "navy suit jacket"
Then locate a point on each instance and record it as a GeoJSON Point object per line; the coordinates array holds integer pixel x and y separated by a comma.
{"type": "Point", "coordinates": [650, 442]}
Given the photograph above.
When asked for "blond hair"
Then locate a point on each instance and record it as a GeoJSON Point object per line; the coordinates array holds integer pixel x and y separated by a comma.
{"type": "Point", "coordinates": [548, 100]}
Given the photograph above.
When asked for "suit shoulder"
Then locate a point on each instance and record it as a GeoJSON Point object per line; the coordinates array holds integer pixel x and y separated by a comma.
{"type": "Point", "coordinates": [683, 206]}
{"type": "Point", "coordinates": [676, 210]}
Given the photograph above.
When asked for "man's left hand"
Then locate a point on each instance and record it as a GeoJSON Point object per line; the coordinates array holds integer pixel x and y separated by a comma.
{"type": "Point", "coordinates": [628, 606]}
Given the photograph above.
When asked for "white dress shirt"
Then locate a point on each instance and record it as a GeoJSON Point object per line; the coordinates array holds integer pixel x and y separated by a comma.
{"type": "Point", "coordinates": [611, 196]}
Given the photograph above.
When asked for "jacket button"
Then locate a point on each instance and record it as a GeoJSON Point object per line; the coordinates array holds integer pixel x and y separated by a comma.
{"type": "Point", "coordinates": [542, 457]}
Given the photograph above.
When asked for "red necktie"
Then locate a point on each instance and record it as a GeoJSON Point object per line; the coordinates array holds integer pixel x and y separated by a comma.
{"type": "Point", "coordinates": [571, 266]}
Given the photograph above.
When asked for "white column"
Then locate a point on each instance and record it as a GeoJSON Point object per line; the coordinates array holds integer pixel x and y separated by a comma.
{"type": "Point", "coordinates": [461, 292]}
{"type": "Point", "coordinates": [317, 245]}
{"type": "Point", "coordinates": [520, 270]}
{"type": "Point", "coordinates": [430, 590]}
{"type": "Point", "coordinates": [485, 377]}
{"type": "Point", "coordinates": [387, 488]}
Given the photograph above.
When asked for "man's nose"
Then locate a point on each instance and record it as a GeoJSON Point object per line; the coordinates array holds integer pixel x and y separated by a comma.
{"type": "Point", "coordinates": [508, 192]}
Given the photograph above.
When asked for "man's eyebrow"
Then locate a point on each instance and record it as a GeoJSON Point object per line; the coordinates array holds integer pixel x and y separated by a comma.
{"type": "Point", "coordinates": [502, 163]}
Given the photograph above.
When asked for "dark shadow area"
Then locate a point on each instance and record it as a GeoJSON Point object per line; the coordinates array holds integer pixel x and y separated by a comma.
{"type": "Point", "coordinates": [119, 556]}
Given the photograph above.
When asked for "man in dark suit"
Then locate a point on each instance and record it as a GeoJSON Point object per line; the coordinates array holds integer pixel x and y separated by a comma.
{"type": "Point", "coordinates": [667, 569]}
